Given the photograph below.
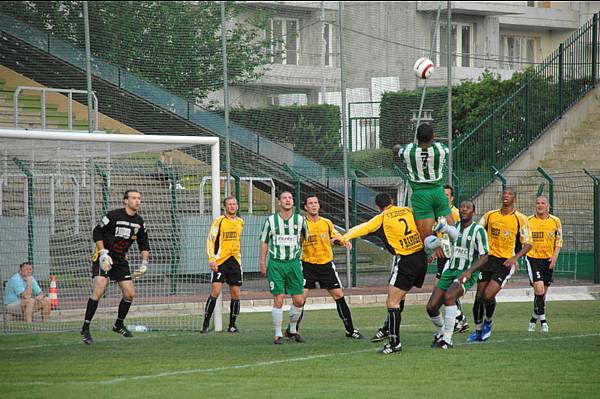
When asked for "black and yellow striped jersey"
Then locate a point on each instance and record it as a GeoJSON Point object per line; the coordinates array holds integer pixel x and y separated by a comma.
{"type": "Point", "coordinates": [223, 239]}
{"type": "Point", "coordinates": [317, 247]}
{"type": "Point", "coordinates": [397, 228]}
{"type": "Point", "coordinates": [506, 233]}
{"type": "Point", "coordinates": [546, 235]}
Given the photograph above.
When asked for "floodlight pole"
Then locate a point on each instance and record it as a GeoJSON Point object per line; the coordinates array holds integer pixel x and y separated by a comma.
{"type": "Point", "coordinates": [449, 54]}
{"type": "Point", "coordinates": [88, 65]}
{"type": "Point", "coordinates": [344, 146]}
{"type": "Point", "coordinates": [226, 102]}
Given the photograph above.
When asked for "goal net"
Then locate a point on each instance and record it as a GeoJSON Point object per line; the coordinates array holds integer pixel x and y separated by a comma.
{"type": "Point", "coordinates": [55, 187]}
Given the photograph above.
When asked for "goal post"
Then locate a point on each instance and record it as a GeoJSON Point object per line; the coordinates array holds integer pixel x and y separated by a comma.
{"type": "Point", "coordinates": [55, 186]}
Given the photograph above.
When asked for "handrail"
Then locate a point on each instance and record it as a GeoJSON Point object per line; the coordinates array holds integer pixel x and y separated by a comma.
{"type": "Point", "coordinates": [45, 90]}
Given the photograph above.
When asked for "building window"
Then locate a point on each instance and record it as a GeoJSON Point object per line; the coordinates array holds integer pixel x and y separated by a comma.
{"type": "Point", "coordinates": [461, 39]}
{"type": "Point", "coordinates": [285, 41]}
{"type": "Point", "coordinates": [517, 52]}
{"type": "Point", "coordinates": [328, 44]}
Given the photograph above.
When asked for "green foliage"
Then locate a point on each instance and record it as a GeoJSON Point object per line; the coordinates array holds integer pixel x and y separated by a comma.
{"type": "Point", "coordinates": [375, 162]}
{"type": "Point", "coordinates": [311, 130]}
{"type": "Point", "coordinates": [173, 44]}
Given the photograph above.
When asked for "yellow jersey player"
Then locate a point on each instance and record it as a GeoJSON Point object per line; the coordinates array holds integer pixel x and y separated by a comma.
{"type": "Point", "coordinates": [546, 238]}
{"type": "Point", "coordinates": [508, 241]}
{"type": "Point", "coordinates": [317, 262]}
{"type": "Point", "coordinates": [224, 259]}
{"type": "Point", "coordinates": [397, 228]}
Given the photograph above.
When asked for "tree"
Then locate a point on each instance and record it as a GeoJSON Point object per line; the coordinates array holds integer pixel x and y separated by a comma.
{"type": "Point", "coordinates": [173, 44]}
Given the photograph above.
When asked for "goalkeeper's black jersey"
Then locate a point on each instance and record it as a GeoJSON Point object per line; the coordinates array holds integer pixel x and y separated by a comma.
{"type": "Point", "coordinates": [118, 231]}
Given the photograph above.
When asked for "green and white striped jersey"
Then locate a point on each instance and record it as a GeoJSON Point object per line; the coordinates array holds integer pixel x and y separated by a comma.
{"type": "Point", "coordinates": [425, 165]}
{"type": "Point", "coordinates": [283, 236]}
{"type": "Point", "coordinates": [469, 246]}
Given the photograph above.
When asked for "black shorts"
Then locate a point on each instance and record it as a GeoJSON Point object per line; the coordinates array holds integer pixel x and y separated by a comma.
{"type": "Point", "coordinates": [441, 263]}
{"type": "Point", "coordinates": [409, 271]}
{"type": "Point", "coordinates": [230, 272]}
{"type": "Point", "coordinates": [119, 271]}
{"type": "Point", "coordinates": [538, 270]}
{"type": "Point", "coordinates": [495, 270]}
{"type": "Point", "coordinates": [324, 274]}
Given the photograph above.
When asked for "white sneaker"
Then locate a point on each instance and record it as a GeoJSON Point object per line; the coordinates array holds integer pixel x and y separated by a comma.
{"type": "Point", "coordinates": [544, 327]}
{"type": "Point", "coordinates": [531, 327]}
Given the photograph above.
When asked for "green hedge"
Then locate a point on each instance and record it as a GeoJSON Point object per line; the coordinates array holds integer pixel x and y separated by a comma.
{"type": "Point", "coordinates": [311, 130]}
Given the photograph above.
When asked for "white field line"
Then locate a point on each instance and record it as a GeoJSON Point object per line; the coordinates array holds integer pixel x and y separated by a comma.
{"type": "Point", "coordinates": [256, 364]}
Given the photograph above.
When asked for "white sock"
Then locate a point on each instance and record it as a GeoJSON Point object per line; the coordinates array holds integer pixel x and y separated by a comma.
{"type": "Point", "coordinates": [450, 314]}
{"type": "Point", "coordinates": [294, 317]}
{"type": "Point", "coordinates": [542, 317]}
{"type": "Point", "coordinates": [277, 314]}
{"type": "Point", "coordinates": [438, 322]}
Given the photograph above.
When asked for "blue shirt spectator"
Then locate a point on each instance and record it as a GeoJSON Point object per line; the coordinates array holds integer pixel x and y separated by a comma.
{"type": "Point", "coordinates": [16, 285]}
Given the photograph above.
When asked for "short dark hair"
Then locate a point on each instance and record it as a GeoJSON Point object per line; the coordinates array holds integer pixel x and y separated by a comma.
{"type": "Point", "coordinates": [310, 196]}
{"type": "Point", "coordinates": [469, 202]}
{"type": "Point", "coordinates": [449, 187]}
{"type": "Point", "coordinates": [227, 199]}
{"type": "Point", "coordinates": [26, 263]}
{"type": "Point", "coordinates": [511, 189]}
{"type": "Point", "coordinates": [424, 133]}
{"type": "Point", "coordinates": [126, 193]}
{"type": "Point", "coordinates": [383, 200]}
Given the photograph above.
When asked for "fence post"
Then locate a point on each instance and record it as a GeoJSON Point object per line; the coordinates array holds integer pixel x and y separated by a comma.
{"type": "Point", "coordinates": [594, 48]}
{"type": "Point", "coordinates": [596, 226]}
{"type": "Point", "coordinates": [297, 184]}
{"type": "Point", "coordinates": [497, 173]}
{"type": "Point", "coordinates": [560, 79]}
{"type": "Point", "coordinates": [354, 223]}
{"type": "Point", "coordinates": [550, 187]}
{"type": "Point", "coordinates": [350, 127]}
{"type": "Point", "coordinates": [104, 177]}
{"type": "Point", "coordinates": [173, 177]}
{"type": "Point", "coordinates": [26, 170]}
{"type": "Point", "coordinates": [527, 130]}
{"type": "Point", "coordinates": [493, 139]}
{"type": "Point", "coordinates": [238, 191]}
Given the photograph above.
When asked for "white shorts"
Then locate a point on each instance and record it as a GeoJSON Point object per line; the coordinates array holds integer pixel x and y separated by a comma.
{"type": "Point", "coordinates": [14, 308]}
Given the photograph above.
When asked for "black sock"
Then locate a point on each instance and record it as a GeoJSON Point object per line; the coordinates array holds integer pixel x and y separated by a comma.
{"type": "Point", "coordinates": [344, 313]}
{"type": "Point", "coordinates": [402, 305]}
{"type": "Point", "coordinates": [234, 311]}
{"type": "Point", "coordinates": [461, 316]}
{"type": "Point", "coordinates": [539, 305]}
{"type": "Point", "coordinates": [490, 306]}
{"type": "Point", "coordinates": [90, 311]}
{"type": "Point", "coordinates": [386, 325]}
{"type": "Point", "coordinates": [478, 310]}
{"type": "Point", "coordinates": [209, 308]}
{"type": "Point", "coordinates": [124, 306]}
{"type": "Point", "coordinates": [394, 319]}
{"type": "Point", "coordinates": [300, 319]}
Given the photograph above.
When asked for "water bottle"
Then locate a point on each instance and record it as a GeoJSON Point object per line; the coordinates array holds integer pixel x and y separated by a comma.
{"type": "Point", "coordinates": [138, 328]}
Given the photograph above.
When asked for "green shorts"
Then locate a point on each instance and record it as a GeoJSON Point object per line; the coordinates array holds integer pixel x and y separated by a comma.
{"type": "Point", "coordinates": [449, 276]}
{"type": "Point", "coordinates": [285, 277]}
{"type": "Point", "coordinates": [429, 202]}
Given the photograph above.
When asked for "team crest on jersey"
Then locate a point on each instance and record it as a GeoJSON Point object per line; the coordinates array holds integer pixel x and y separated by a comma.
{"type": "Point", "coordinates": [506, 233]}
{"type": "Point", "coordinates": [323, 235]}
{"type": "Point", "coordinates": [550, 234]}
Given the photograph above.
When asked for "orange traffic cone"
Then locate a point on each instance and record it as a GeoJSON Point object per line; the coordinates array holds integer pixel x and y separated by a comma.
{"type": "Point", "coordinates": [53, 293]}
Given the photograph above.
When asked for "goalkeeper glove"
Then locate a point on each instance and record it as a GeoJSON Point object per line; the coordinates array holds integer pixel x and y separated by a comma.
{"type": "Point", "coordinates": [105, 260]}
{"type": "Point", "coordinates": [140, 271]}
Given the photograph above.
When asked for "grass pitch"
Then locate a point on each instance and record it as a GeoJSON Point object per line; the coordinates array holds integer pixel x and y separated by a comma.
{"type": "Point", "coordinates": [514, 363]}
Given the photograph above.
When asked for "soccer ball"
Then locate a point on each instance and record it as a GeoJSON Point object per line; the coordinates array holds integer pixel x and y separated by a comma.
{"type": "Point", "coordinates": [423, 68]}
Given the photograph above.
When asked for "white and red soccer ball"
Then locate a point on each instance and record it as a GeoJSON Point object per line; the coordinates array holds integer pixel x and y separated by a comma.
{"type": "Point", "coordinates": [423, 68]}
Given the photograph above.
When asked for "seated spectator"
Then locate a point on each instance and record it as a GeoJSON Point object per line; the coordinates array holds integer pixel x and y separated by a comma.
{"type": "Point", "coordinates": [23, 295]}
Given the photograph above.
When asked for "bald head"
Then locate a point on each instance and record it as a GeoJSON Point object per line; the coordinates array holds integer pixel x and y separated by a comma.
{"type": "Point", "coordinates": [541, 206]}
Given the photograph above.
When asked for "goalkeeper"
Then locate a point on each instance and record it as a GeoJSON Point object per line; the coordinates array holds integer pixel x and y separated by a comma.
{"type": "Point", "coordinates": [425, 162]}
{"type": "Point", "coordinates": [113, 236]}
